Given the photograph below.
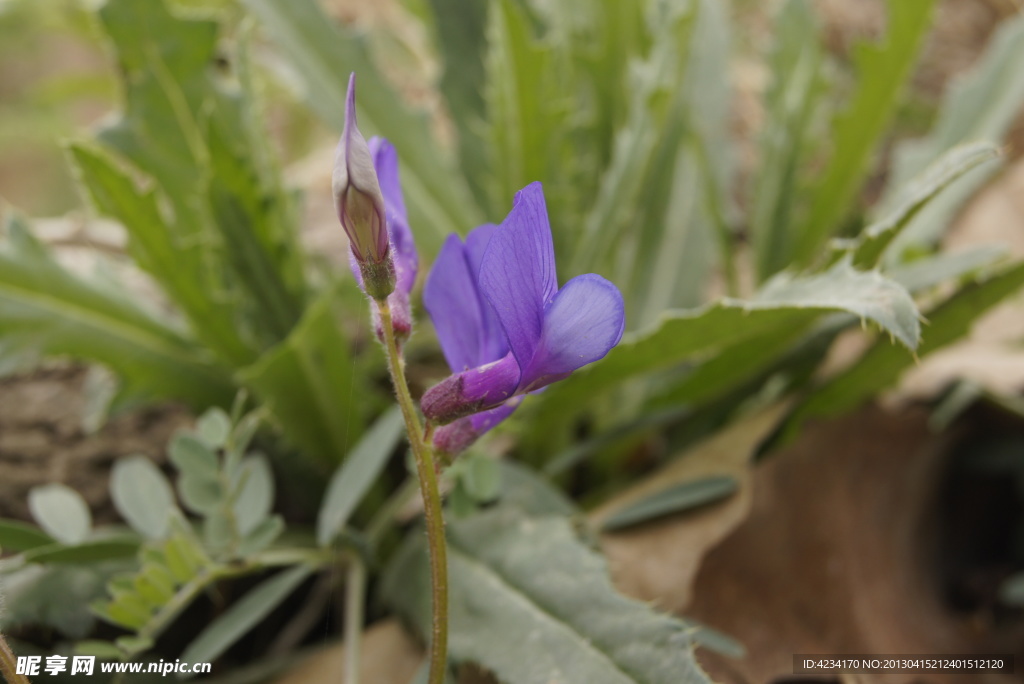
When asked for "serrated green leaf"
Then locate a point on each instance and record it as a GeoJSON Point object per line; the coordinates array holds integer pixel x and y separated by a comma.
{"type": "Point", "coordinates": [241, 211]}
{"type": "Point", "coordinates": [214, 427]}
{"type": "Point", "coordinates": [96, 551]}
{"type": "Point", "coordinates": [351, 481]}
{"type": "Point", "coordinates": [786, 304]}
{"type": "Point", "coordinates": [61, 511]}
{"type": "Point", "coordinates": [867, 295]}
{"type": "Point", "coordinates": [882, 71]}
{"type": "Point", "coordinates": [310, 380]}
{"type": "Point", "coordinates": [915, 197]}
{"type": "Point", "coordinates": [227, 251]}
{"type": "Point", "coordinates": [45, 307]}
{"type": "Point", "coordinates": [241, 617]}
{"type": "Point", "coordinates": [577, 627]}
{"type": "Point", "coordinates": [256, 496]}
{"type": "Point", "coordinates": [323, 57]}
{"type": "Point", "coordinates": [790, 104]}
{"type": "Point", "coordinates": [676, 499]}
{"type": "Point", "coordinates": [20, 536]}
{"type": "Point", "coordinates": [142, 496]}
{"type": "Point", "coordinates": [922, 274]}
{"type": "Point", "coordinates": [156, 246]}
{"type": "Point", "coordinates": [882, 364]}
{"type": "Point", "coordinates": [980, 105]}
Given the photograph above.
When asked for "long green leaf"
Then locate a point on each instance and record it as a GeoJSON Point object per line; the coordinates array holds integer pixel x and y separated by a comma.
{"type": "Point", "coordinates": [675, 499]}
{"type": "Point", "coordinates": [197, 140]}
{"type": "Point", "coordinates": [981, 105]}
{"type": "Point", "coordinates": [882, 71]}
{"type": "Point", "coordinates": [531, 603]}
{"type": "Point", "coordinates": [915, 197]}
{"type": "Point", "coordinates": [95, 551]}
{"type": "Point", "coordinates": [310, 384]}
{"type": "Point", "coordinates": [461, 41]}
{"type": "Point", "coordinates": [645, 144]}
{"type": "Point", "coordinates": [45, 307]}
{"type": "Point", "coordinates": [351, 481]}
{"type": "Point", "coordinates": [790, 103]}
{"type": "Point", "coordinates": [20, 536]}
{"type": "Point", "coordinates": [237, 620]}
{"type": "Point", "coordinates": [323, 57]}
{"type": "Point", "coordinates": [527, 107]}
{"type": "Point", "coordinates": [786, 303]}
{"type": "Point", "coordinates": [173, 258]}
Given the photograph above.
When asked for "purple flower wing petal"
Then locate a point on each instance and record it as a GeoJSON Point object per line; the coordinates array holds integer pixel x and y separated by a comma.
{"type": "Point", "coordinates": [517, 272]}
{"type": "Point", "coordinates": [582, 324]}
{"type": "Point", "coordinates": [450, 297]}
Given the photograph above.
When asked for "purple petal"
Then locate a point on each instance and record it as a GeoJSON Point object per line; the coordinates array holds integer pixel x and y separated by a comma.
{"type": "Point", "coordinates": [517, 272]}
{"type": "Point", "coordinates": [485, 420]}
{"type": "Point", "coordinates": [493, 343]}
{"type": "Point", "coordinates": [582, 324]}
{"type": "Point", "coordinates": [451, 299]}
{"type": "Point", "coordinates": [471, 391]}
{"type": "Point", "coordinates": [456, 437]}
{"type": "Point", "coordinates": [385, 162]}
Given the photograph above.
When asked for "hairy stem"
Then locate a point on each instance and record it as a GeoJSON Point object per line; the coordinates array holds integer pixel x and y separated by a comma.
{"type": "Point", "coordinates": [431, 502]}
{"type": "Point", "coordinates": [9, 664]}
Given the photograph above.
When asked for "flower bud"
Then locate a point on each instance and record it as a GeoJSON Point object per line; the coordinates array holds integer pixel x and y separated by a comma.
{"type": "Point", "coordinates": [360, 205]}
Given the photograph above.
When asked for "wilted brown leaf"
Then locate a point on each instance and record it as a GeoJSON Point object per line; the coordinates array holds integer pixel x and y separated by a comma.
{"type": "Point", "coordinates": [656, 562]}
{"type": "Point", "coordinates": [837, 556]}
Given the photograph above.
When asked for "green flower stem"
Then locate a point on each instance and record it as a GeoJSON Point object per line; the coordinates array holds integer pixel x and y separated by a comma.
{"type": "Point", "coordinates": [9, 664]}
{"type": "Point", "coordinates": [355, 590]}
{"type": "Point", "coordinates": [431, 502]}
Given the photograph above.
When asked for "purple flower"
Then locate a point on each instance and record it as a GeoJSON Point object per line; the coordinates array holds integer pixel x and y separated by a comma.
{"type": "Point", "coordinates": [504, 326]}
{"type": "Point", "coordinates": [360, 205]}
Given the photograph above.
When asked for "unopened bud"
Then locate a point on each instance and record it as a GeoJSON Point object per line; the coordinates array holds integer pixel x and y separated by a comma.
{"type": "Point", "coordinates": [360, 205]}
